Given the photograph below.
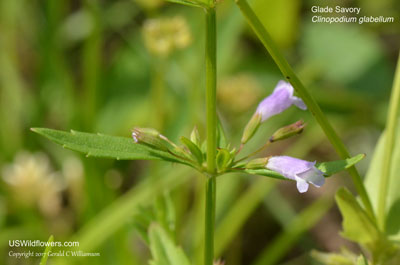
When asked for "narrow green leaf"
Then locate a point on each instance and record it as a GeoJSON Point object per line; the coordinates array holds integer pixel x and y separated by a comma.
{"type": "Point", "coordinates": [48, 248]}
{"type": "Point", "coordinates": [221, 136]}
{"type": "Point", "coordinates": [99, 145]}
{"type": "Point", "coordinates": [193, 148]}
{"type": "Point", "coordinates": [165, 213]}
{"type": "Point", "coordinates": [344, 258]}
{"type": "Point", "coordinates": [361, 260]}
{"type": "Point", "coordinates": [188, 3]}
{"type": "Point", "coordinates": [328, 168]}
{"type": "Point", "coordinates": [306, 219]}
{"type": "Point", "coordinates": [331, 168]}
{"type": "Point", "coordinates": [357, 226]}
{"type": "Point", "coordinates": [372, 180]}
{"type": "Point", "coordinates": [163, 249]}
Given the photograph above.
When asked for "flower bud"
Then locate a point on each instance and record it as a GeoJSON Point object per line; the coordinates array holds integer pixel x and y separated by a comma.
{"type": "Point", "coordinates": [251, 128]}
{"type": "Point", "coordinates": [257, 163]}
{"type": "Point", "coordinates": [152, 138]}
{"type": "Point", "coordinates": [288, 131]}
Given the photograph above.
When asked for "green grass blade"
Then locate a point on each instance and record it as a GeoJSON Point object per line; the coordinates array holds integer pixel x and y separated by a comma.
{"type": "Point", "coordinates": [392, 121]}
{"type": "Point", "coordinates": [234, 220]}
{"type": "Point", "coordinates": [163, 248]}
{"type": "Point", "coordinates": [188, 3]}
{"type": "Point", "coordinates": [48, 248]}
{"type": "Point", "coordinates": [304, 221]}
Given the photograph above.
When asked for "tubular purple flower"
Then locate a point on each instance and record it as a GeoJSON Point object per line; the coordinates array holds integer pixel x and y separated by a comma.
{"type": "Point", "coordinates": [280, 99]}
{"type": "Point", "coordinates": [303, 172]}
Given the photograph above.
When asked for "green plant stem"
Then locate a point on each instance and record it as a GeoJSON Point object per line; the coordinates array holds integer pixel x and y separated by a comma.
{"type": "Point", "coordinates": [262, 148]}
{"type": "Point", "coordinates": [209, 221]}
{"type": "Point", "coordinates": [289, 74]}
{"type": "Point", "coordinates": [392, 115]}
{"type": "Point", "coordinates": [211, 87]}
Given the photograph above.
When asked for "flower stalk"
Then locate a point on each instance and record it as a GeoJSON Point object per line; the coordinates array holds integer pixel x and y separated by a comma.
{"type": "Point", "coordinates": [392, 116]}
{"type": "Point", "coordinates": [316, 111]}
{"type": "Point", "coordinates": [211, 112]}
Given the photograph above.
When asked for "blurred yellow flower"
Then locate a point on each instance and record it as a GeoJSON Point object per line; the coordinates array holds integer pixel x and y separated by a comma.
{"type": "Point", "coordinates": [33, 183]}
{"type": "Point", "coordinates": [238, 93]}
{"type": "Point", "coordinates": [164, 35]}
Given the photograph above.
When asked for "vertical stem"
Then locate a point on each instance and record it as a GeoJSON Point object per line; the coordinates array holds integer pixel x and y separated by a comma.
{"type": "Point", "coordinates": [390, 136]}
{"type": "Point", "coordinates": [314, 108]}
{"type": "Point", "coordinates": [209, 221]}
{"type": "Point", "coordinates": [211, 87]}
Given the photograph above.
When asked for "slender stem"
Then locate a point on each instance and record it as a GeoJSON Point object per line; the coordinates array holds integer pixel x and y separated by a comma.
{"type": "Point", "coordinates": [390, 136]}
{"type": "Point", "coordinates": [262, 148]}
{"type": "Point", "coordinates": [210, 221]}
{"type": "Point", "coordinates": [211, 87]}
{"type": "Point", "coordinates": [289, 74]}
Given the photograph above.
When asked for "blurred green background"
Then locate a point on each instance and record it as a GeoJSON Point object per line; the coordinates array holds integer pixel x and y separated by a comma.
{"type": "Point", "coordinates": [108, 66]}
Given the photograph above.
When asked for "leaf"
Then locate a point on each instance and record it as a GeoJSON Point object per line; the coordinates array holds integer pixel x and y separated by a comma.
{"type": "Point", "coordinates": [163, 249]}
{"type": "Point", "coordinates": [372, 180]}
{"type": "Point", "coordinates": [162, 211]}
{"type": "Point", "coordinates": [361, 260]}
{"type": "Point", "coordinates": [188, 3]}
{"type": "Point", "coordinates": [48, 248]}
{"type": "Point", "coordinates": [223, 159]}
{"type": "Point", "coordinates": [193, 148]}
{"type": "Point", "coordinates": [99, 145]}
{"type": "Point", "coordinates": [195, 136]}
{"type": "Point", "coordinates": [328, 168]}
{"type": "Point", "coordinates": [357, 226]}
{"type": "Point", "coordinates": [344, 258]}
{"type": "Point", "coordinates": [165, 213]}
{"type": "Point", "coordinates": [331, 168]}
{"type": "Point", "coordinates": [221, 136]}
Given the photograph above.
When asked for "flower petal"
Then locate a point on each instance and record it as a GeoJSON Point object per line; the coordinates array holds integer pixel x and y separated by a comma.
{"type": "Point", "coordinates": [298, 102]}
{"type": "Point", "coordinates": [302, 185]}
{"type": "Point", "coordinates": [280, 99]}
{"type": "Point", "coordinates": [314, 176]}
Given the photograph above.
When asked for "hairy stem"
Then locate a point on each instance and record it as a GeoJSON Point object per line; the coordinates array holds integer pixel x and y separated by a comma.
{"type": "Point", "coordinates": [390, 136]}
{"type": "Point", "coordinates": [289, 74]}
{"type": "Point", "coordinates": [211, 87]}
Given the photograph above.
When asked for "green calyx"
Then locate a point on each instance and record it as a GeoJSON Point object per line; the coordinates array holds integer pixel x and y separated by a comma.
{"type": "Point", "coordinates": [288, 131]}
{"type": "Point", "coordinates": [251, 128]}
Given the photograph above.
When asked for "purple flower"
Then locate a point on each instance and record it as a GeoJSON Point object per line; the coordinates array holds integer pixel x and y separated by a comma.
{"type": "Point", "coordinates": [281, 99]}
{"type": "Point", "coordinates": [303, 172]}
